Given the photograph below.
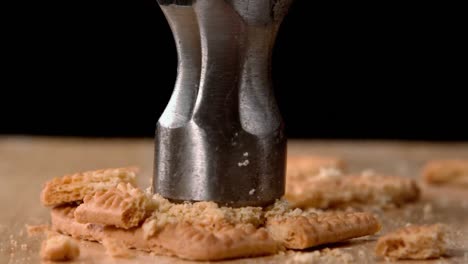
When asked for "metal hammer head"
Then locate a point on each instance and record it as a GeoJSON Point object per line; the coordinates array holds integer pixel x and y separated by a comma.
{"type": "Point", "coordinates": [221, 137]}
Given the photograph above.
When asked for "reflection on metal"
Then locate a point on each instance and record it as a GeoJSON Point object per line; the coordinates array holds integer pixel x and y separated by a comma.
{"type": "Point", "coordinates": [221, 137]}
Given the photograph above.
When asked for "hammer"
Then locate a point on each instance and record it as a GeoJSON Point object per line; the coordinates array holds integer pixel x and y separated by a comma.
{"type": "Point", "coordinates": [221, 137]}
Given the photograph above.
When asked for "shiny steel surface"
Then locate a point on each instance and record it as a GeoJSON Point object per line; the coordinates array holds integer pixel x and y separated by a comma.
{"type": "Point", "coordinates": [221, 137]}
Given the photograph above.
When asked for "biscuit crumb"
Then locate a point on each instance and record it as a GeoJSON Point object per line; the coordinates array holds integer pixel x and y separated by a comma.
{"type": "Point", "coordinates": [413, 242]}
{"type": "Point", "coordinates": [207, 214]}
{"type": "Point", "coordinates": [327, 173]}
{"type": "Point", "coordinates": [59, 248]}
{"type": "Point", "coordinates": [13, 243]}
{"type": "Point", "coordinates": [324, 256]}
{"type": "Point", "coordinates": [245, 163]}
{"type": "Point", "coordinates": [34, 230]}
{"type": "Point", "coordinates": [368, 173]}
{"type": "Point", "coordinates": [428, 211]}
{"type": "Point", "coordinates": [361, 253]}
{"type": "Point", "coordinates": [306, 166]}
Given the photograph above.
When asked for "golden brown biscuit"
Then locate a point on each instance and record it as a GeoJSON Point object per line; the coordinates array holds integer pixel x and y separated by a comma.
{"type": "Point", "coordinates": [304, 230]}
{"type": "Point", "coordinates": [189, 241]}
{"type": "Point", "coordinates": [325, 191]}
{"type": "Point", "coordinates": [75, 187]}
{"type": "Point", "coordinates": [450, 172]}
{"type": "Point", "coordinates": [59, 248]}
{"type": "Point", "coordinates": [122, 206]}
{"type": "Point", "coordinates": [413, 242]}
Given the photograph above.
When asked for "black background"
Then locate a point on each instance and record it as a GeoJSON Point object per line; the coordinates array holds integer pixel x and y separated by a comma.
{"type": "Point", "coordinates": [341, 70]}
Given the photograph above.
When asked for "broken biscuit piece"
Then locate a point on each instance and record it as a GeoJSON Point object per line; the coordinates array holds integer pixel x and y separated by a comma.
{"type": "Point", "coordinates": [194, 242]}
{"type": "Point", "coordinates": [75, 187]}
{"type": "Point", "coordinates": [122, 206]}
{"type": "Point", "coordinates": [59, 248]}
{"type": "Point", "coordinates": [330, 189]}
{"type": "Point", "coordinates": [63, 221]}
{"type": "Point", "coordinates": [446, 172]}
{"type": "Point", "coordinates": [413, 242]}
{"type": "Point", "coordinates": [304, 166]}
{"type": "Point", "coordinates": [379, 189]}
{"type": "Point", "coordinates": [303, 230]}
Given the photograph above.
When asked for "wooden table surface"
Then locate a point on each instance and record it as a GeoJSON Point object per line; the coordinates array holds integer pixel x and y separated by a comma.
{"type": "Point", "coordinates": [27, 162]}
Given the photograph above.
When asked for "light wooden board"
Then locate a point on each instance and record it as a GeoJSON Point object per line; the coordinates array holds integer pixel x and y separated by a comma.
{"type": "Point", "coordinates": [27, 162]}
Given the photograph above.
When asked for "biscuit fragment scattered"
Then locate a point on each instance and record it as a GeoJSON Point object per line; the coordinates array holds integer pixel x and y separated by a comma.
{"type": "Point", "coordinates": [63, 221]}
{"type": "Point", "coordinates": [331, 189]}
{"type": "Point", "coordinates": [122, 206]}
{"type": "Point", "coordinates": [59, 248]}
{"type": "Point", "coordinates": [205, 231]}
{"type": "Point", "coordinates": [303, 230]}
{"type": "Point", "coordinates": [122, 217]}
{"type": "Point", "coordinates": [75, 187]}
{"type": "Point", "coordinates": [413, 242]}
{"type": "Point", "coordinates": [446, 172]}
